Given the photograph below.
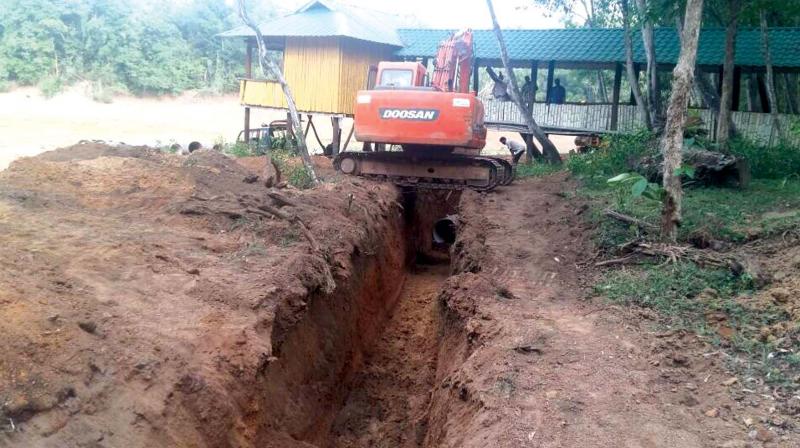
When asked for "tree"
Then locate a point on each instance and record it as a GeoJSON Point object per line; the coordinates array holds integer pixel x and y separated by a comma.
{"type": "Point", "coordinates": [771, 97]}
{"type": "Point", "coordinates": [633, 80]}
{"type": "Point", "coordinates": [548, 148]}
{"type": "Point", "coordinates": [726, 99]}
{"type": "Point", "coordinates": [648, 39]}
{"type": "Point", "coordinates": [672, 140]}
{"type": "Point", "coordinates": [268, 67]}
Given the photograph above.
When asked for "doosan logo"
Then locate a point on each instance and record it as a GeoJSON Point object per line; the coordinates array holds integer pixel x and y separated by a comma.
{"type": "Point", "coordinates": [410, 114]}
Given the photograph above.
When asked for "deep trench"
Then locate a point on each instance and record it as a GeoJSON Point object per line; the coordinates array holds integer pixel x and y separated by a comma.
{"type": "Point", "coordinates": [385, 399]}
{"type": "Point", "coordinates": [388, 399]}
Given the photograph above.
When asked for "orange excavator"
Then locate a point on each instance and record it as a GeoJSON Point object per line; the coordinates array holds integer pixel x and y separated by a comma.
{"type": "Point", "coordinates": [438, 126]}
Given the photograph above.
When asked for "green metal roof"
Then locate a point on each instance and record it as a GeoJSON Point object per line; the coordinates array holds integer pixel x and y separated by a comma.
{"type": "Point", "coordinates": [606, 45]}
{"type": "Point", "coordinates": [327, 18]}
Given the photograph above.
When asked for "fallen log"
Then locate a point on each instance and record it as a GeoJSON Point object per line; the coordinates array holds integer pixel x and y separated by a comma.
{"type": "Point", "coordinates": [642, 225]}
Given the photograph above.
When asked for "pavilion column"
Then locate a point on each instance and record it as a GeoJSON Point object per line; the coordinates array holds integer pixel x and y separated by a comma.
{"type": "Point", "coordinates": [534, 80]}
{"type": "Point", "coordinates": [475, 76]}
{"type": "Point", "coordinates": [737, 88]}
{"type": "Point", "coordinates": [551, 69]}
{"type": "Point", "coordinates": [636, 70]}
{"type": "Point", "coordinates": [615, 97]}
{"type": "Point", "coordinates": [248, 74]}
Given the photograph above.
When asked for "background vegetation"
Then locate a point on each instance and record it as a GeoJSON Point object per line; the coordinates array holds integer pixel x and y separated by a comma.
{"type": "Point", "coordinates": [146, 47]}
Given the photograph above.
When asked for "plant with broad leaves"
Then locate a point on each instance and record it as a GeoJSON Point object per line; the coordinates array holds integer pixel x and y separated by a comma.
{"type": "Point", "coordinates": [639, 186]}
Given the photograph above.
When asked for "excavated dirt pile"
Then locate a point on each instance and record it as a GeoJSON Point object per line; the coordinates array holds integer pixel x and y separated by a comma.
{"type": "Point", "coordinates": [156, 300]}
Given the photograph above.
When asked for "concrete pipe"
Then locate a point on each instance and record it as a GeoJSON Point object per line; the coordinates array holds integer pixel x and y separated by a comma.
{"type": "Point", "coordinates": [445, 230]}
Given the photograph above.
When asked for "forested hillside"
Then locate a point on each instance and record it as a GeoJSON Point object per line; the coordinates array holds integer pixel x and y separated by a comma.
{"type": "Point", "coordinates": [142, 47]}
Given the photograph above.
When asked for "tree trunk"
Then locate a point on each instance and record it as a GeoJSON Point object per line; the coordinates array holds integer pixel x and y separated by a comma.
{"type": "Point", "coordinates": [791, 92]}
{"type": "Point", "coordinates": [548, 148]}
{"type": "Point", "coordinates": [633, 80]}
{"type": "Point", "coordinates": [726, 98]}
{"type": "Point", "coordinates": [771, 97]}
{"type": "Point", "coordinates": [648, 38]}
{"type": "Point", "coordinates": [269, 67]}
{"type": "Point", "coordinates": [753, 102]}
{"type": "Point", "coordinates": [672, 140]}
{"type": "Point", "coordinates": [602, 92]}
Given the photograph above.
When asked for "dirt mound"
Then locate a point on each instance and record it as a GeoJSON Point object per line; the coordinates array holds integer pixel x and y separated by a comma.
{"type": "Point", "coordinates": [153, 300]}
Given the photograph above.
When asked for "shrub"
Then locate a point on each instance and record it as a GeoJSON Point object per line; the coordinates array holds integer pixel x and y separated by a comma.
{"type": "Point", "coordinates": [50, 86]}
{"type": "Point", "coordinates": [614, 156]}
{"type": "Point", "coordinates": [294, 172]}
{"type": "Point", "coordinates": [768, 162]}
{"type": "Point", "coordinates": [238, 149]}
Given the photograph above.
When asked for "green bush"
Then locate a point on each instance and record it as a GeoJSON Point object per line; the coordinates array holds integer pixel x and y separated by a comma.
{"type": "Point", "coordinates": [297, 175]}
{"type": "Point", "coordinates": [238, 149]}
{"type": "Point", "coordinates": [614, 157]}
{"type": "Point", "coordinates": [766, 162]}
{"type": "Point", "coordinates": [50, 86]}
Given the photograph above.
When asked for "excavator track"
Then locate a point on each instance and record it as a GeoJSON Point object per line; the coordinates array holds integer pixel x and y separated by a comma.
{"type": "Point", "coordinates": [446, 172]}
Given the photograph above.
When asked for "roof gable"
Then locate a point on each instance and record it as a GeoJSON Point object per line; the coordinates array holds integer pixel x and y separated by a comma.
{"type": "Point", "coordinates": [326, 18]}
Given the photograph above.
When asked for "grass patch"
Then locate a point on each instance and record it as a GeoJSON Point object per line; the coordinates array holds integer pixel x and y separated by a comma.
{"type": "Point", "coordinates": [536, 169]}
{"type": "Point", "coordinates": [713, 303]}
{"type": "Point", "coordinates": [705, 301]}
{"type": "Point", "coordinates": [767, 207]}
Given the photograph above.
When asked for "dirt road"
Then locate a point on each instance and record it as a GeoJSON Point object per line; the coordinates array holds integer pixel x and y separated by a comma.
{"type": "Point", "coordinates": [559, 370]}
{"type": "Point", "coordinates": [31, 124]}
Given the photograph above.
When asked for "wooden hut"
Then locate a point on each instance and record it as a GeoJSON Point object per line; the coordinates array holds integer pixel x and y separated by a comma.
{"type": "Point", "coordinates": [326, 50]}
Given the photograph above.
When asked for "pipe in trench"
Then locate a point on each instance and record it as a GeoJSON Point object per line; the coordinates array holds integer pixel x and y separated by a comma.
{"type": "Point", "coordinates": [445, 230]}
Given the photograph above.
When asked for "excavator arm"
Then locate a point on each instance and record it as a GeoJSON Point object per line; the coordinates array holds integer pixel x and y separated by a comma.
{"type": "Point", "coordinates": [453, 63]}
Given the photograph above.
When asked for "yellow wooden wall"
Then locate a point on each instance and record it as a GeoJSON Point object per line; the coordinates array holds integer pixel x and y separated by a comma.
{"type": "Point", "coordinates": [357, 57]}
{"type": "Point", "coordinates": [323, 73]}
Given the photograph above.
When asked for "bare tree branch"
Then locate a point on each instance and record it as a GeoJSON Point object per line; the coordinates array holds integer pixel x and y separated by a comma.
{"type": "Point", "coordinates": [269, 67]}
{"type": "Point", "coordinates": [548, 148]}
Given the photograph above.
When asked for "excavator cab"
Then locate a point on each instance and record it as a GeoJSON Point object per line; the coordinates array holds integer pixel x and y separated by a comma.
{"type": "Point", "coordinates": [401, 75]}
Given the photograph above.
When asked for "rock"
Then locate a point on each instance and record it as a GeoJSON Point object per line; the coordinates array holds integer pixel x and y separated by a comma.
{"type": "Point", "coordinates": [680, 359]}
{"type": "Point", "coordinates": [735, 444]}
{"type": "Point", "coordinates": [781, 295]}
{"type": "Point", "coordinates": [792, 406]}
{"type": "Point", "coordinates": [687, 399]}
{"type": "Point", "coordinates": [730, 381]}
{"type": "Point", "coordinates": [764, 435]}
{"type": "Point", "coordinates": [777, 422]}
{"type": "Point", "coordinates": [713, 413]}
{"type": "Point", "coordinates": [193, 271]}
{"type": "Point", "coordinates": [707, 295]}
{"type": "Point", "coordinates": [250, 179]}
{"type": "Point", "coordinates": [747, 421]}
{"type": "Point", "coordinates": [88, 326]}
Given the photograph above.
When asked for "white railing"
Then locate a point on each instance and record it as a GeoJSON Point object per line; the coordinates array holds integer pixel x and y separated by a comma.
{"type": "Point", "coordinates": [597, 118]}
